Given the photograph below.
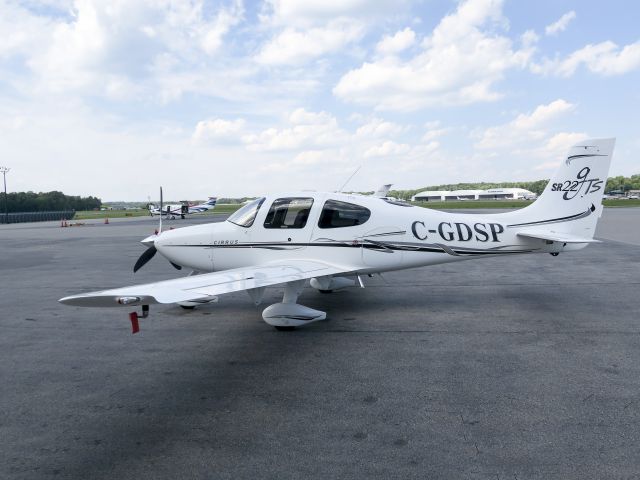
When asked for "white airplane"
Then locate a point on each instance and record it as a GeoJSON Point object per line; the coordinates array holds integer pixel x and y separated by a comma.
{"type": "Point", "coordinates": [174, 210]}
{"type": "Point", "coordinates": [383, 190]}
{"type": "Point", "coordinates": [333, 239]}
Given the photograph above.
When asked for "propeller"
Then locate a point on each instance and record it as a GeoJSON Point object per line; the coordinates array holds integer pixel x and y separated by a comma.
{"type": "Point", "coordinates": [149, 253]}
{"type": "Point", "coordinates": [144, 258]}
{"type": "Point", "coordinates": [161, 209]}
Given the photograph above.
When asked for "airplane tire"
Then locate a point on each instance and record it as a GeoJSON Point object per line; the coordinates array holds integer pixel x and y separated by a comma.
{"type": "Point", "coordinates": [285, 329]}
{"type": "Point", "coordinates": [325, 291]}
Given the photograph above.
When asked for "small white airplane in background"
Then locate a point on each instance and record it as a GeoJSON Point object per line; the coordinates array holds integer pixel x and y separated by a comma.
{"type": "Point", "coordinates": [383, 190]}
{"type": "Point", "coordinates": [333, 239]}
{"type": "Point", "coordinates": [182, 209]}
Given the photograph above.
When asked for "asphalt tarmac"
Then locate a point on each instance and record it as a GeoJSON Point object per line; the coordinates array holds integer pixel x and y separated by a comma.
{"type": "Point", "coordinates": [501, 368]}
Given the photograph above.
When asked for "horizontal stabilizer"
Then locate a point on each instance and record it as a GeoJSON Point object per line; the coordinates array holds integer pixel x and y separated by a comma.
{"type": "Point", "coordinates": [556, 237]}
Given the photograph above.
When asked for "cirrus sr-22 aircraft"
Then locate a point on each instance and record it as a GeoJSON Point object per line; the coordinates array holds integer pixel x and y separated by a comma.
{"type": "Point", "coordinates": [332, 239]}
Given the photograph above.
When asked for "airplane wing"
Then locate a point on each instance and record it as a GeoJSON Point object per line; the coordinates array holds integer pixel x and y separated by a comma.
{"type": "Point", "coordinates": [207, 285]}
{"type": "Point", "coordinates": [556, 237]}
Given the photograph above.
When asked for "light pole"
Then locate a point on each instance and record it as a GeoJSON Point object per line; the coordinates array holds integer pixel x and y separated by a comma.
{"type": "Point", "coordinates": [4, 171]}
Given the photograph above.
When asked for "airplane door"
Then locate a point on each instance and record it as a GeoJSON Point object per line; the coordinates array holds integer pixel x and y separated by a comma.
{"type": "Point", "coordinates": [378, 249]}
{"type": "Point", "coordinates": [286, 224]}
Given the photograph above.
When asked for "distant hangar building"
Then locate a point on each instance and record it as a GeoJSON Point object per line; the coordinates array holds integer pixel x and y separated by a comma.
{"type": "Point", "coordinates": [491, 194]}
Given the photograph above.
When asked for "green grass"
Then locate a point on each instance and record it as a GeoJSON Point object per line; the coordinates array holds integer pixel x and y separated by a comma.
{"type": "Point", "coordinates": [621, 203]}
{"type": "Point", "coordinates": [225, 208]}
{"type": "Point", "coordinates": [449, 205]}
{"type": "Point", "coordinates": [91, 214]}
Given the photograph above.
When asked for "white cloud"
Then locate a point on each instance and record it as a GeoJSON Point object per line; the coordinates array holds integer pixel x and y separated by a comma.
{"type": "Point", "coordinates": [605, 58]}
{"type": "Point", "coordinates": [312, 12]}
{"type": "Point", "coordinates": [387, 149]}
{"type": "Point", "coordinates": [212, 33]}
{"type": "Point", "coordinates": [377, 127]}
{"type": "Point", "coordinates": [122, 41]}
{"type": "Point", "coordinates": [459, 64]}
{"type": "Point", "coordinates": [555, 148]}
{"type": "Point", "coordinates": [529, 38]}
{"type": "Point", "coordinates": [300, 116]}
{"type": "Point", "coordinates": [218, 129]}
{"type": "Point", "coordinates": [561, 24]}
{"type": "Point", "coordinates": [21, 32]}
{"type": "Point", "coordinates": [309, 130]}
{"type": "Point", "coordinates": [434, 133]}
{"type": "Point", "coordinates": [524, 128]}
{"type": "Point", "coordinates": [293, 46]}
{"type": "Point", "coordinates": [391, 45]}
{"type": "Point", "coordinates": [530, 139]}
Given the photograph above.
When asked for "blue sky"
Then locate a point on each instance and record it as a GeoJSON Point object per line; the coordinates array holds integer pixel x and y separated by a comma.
{"type": "Point", "coordinates": [240, 98]}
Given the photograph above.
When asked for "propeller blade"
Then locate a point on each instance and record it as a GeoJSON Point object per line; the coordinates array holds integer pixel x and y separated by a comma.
{"type": "Point", "coordinates": [161, 212]}
{"type": "Point", "coordinates": [176, 266]}
{"type": "Point", "coordinates": [144, 258]}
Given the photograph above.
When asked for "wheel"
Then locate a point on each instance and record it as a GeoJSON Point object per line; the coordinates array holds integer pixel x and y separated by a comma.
{"type": "Point", "coordinates": [325, 291]}
{"type": "Point", "coordinates": [285, 329]}
{"type": "Point", "coordinates": [188, 307]}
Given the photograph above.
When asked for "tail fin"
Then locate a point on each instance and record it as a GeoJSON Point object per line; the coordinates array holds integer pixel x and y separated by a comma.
{"type": "Point", "coordinates": [571, 203]}
{"type": "Point", "coordinates": [383, 190]}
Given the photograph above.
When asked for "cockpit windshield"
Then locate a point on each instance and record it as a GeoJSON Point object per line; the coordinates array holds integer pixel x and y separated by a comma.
{"type": "Point", "coordinates": [247, 214]}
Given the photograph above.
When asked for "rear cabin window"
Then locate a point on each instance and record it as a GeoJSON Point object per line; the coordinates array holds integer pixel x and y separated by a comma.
{"type": "Point", "coordinates": [288, 213]}
{"type": "Point", "coordinates": [337, 214]}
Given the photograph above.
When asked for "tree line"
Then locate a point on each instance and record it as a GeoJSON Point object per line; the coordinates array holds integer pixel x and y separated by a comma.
{"type": "Point", "coordinates": [613, 184]}
{"type": "Point", "coordinates": [47, 201]}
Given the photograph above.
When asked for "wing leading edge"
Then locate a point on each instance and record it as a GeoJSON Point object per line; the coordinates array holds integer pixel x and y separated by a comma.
{"type": "Point", "coordinates": [207, 285]}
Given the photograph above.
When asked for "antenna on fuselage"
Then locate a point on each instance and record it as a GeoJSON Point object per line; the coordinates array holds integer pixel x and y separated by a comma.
{"type": "Point", "coordinates": [349, 179]}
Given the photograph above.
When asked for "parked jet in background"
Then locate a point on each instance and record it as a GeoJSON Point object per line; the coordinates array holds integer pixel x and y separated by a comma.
{"type": "Point", "coordinates": [333, 239]}
{"type": "Point", "coordinates": [174, 210]}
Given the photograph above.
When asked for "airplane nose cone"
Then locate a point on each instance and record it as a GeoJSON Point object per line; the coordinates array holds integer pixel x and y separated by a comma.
{"type": "Point", "coordinates": [149, 241]}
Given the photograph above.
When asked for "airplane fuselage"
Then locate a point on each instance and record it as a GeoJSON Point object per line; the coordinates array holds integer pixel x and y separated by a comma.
{"type": "Point", "coordinates": [392, 237]}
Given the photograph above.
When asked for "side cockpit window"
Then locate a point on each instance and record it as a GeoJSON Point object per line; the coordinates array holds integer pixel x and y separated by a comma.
{"type": "Point", "coordinates": [288, 213]}
{"type": "Point", "coordinates": [337, 214]}
{"type": "Point", "coordinates": [247, 214]}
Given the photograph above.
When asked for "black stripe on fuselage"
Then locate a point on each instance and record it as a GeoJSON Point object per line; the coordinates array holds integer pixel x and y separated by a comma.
{"type": "Point", "coordinates": [570, 218]}
{"type": "Point", "coordinates": [378, 246]}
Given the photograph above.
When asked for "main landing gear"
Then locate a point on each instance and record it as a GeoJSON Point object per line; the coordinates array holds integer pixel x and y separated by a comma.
{"type": "Point", "coordinates": [288, 315]}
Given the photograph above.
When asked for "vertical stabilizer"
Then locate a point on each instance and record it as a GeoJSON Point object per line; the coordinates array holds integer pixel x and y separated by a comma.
{"type": "Point", "coordinates": [572, 200]}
